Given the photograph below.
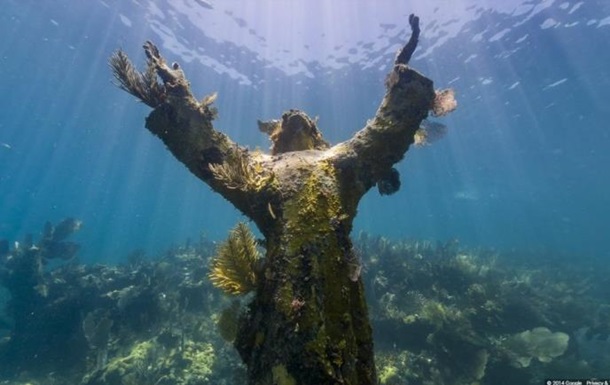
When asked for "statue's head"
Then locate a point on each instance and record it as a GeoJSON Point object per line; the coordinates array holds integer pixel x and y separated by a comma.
{"type": "Point", "coordinates": [294, 132]}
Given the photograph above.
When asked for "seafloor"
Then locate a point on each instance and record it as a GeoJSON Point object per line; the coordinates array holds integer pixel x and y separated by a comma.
{"type": "Point", "coordinates": [442, 314]}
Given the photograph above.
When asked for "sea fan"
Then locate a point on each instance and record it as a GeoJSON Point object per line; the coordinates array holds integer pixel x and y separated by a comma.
{"type": "Point", "coordinates": [234, 267]}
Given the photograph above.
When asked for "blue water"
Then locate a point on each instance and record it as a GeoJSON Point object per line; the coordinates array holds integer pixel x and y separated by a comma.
{"type": "Point", "coordinates": [524, 165]}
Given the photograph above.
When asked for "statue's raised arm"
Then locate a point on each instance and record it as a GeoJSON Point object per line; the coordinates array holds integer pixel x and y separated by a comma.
{"type": "Point", "coordinates": [307, 323]}
{"type": "Point", "coordinates": [184, 124]}
{"type": "Point", "coordinates": [409, 98]}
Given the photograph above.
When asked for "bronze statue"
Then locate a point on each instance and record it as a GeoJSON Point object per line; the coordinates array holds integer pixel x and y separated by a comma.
{"type": "Point", "coordinates": [308, 322]}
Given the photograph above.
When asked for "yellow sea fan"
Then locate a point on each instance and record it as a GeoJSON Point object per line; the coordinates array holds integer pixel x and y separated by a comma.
{"type": "Point", "coordinates": [241, 174]}
{"type": "Point", "coordinates": [234, 267]}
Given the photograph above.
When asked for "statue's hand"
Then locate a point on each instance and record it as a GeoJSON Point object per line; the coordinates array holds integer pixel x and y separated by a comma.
{"type": "Point", "coordinates": [405, 54]}
{"type": "Point", "coordinates": [172, 76]}
{"type": "Point", "coordinates": [414, 23]}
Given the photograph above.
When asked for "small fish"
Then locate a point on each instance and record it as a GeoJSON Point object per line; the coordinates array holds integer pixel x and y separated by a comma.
{"type": "Point", "coordinates": [5, 145]}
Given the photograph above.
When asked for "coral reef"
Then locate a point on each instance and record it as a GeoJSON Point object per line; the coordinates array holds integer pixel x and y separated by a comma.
{"type": "Point", "coordinates": [442, 315]}
{"type": "Point", "coordinates": [23, 274]}
{"type": "Point", "coordinates": [539, 343]}
{"type": "Point", "coordinates": [145, 322]}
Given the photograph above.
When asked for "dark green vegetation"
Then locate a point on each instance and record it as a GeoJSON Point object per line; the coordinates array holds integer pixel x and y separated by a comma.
{"type": "Point", "coordinates": [442, 314]}
{"type": "Point", "coordinates": [144, 322]}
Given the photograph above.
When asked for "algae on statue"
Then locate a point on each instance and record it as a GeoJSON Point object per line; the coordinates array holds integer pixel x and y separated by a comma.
{"type": "Point", "coordinates": [308, 321]}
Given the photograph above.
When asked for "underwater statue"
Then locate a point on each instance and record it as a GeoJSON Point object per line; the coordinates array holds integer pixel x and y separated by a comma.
{"type": "Point", "coordinates": [307, 323]}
